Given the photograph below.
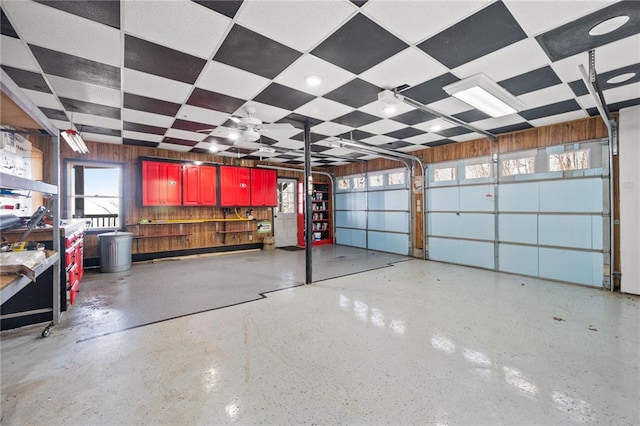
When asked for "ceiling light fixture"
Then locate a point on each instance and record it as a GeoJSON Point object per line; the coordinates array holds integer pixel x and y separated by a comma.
{"type": "Point", "coordinates": [233, 136]}
{"type": "Point", "coordinates": [389, 109]}
{"type": "Point", "coordinates": [75, 141]}
{"type": "Point", "coordinates": [213, 148]}
{"type": "Point", "coordinates": [621, 78]}
{"type": "Point", "coordinates": [486, 95]}
{"type": "Point", "coordinates": [608, 26]}
{"type": "Point", "coordinates": [313, 80]}
{"type": "Point", "coordinates": [435, 128]}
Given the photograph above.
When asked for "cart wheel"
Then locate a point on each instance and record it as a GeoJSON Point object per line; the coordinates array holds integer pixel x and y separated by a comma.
{"type": "Point", "coordinates": [46, 332]}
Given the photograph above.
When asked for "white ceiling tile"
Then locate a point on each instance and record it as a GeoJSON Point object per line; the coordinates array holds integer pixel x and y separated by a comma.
{"type": "Point", "coordinates": [54, 29]}
{"type": "Point", "coordinates": [289, 144]}
{"type": "Point", "coordinates": [378, 140]}
{"type": "Point", "coordinates": [142, 136]}
{"type": "Point", "coordinates": [608, 57]}
{"type": "Point", "coordinates": [174, 147]}
{"type": "Point", "coordinates": [324, 109]}
{"type": "Point", "coordinates": [208, 145]}
{"type": "Point", "coordinates": [228, 80]}
{"type": "Point", "coordinates": [41, 99]}
{"type": "Point", "coordinates": [467, 137]}
{"type": "Point", "coordinates": [77, 90]}
{"type": "Point", "coordinates": [141, 117]}
{"type": "Point", "coordinates": [152, 86]}
{"type": "Point", "coordinates": [450, 106]}
{"type": "Point", "coordinates": [278, 160]}
{"type": "Point", "coordinates": [515, 59]}
{"type": "Point", "coordinates": [423, 138]}
{"type": "Point", "coordinates": [493, 123]}
{"type": "Point", "coordinates": [179, 24]}
{"type": "Point", "coordinates": [427, 126]}
{"type": "Point", "coordinates": [382, 126]}
{"type": "Point", "coordinates": [186, 135]}
{"type": "Point", "coordinates": [330, 129]}
{"type": "Point", "coordinates": [94, 137]}
{"type": "Point", "coordinates": [411, 66]}
{"type": "Point", "coordinates": [537, 16]}
{"type": "Point", "coordinates": [266, 113]}
{"type": "Point", "coordinates": [412, 148]}
{"type": "Point", "coordinates": [332, 76]}
{"type": "Point", "coordinates": [337, 152]}
{"type": "Point", "coordinates": [546, 96]}
{"type": "Point", "coordinates": [560, 118]}
{"type": "Point", "coordinates": [621, 93]}
{"type": "Point", "coordinates": [202, 115]}
{"type": "Point", "coordinates": [307, 22]}
{"type": "Point", "coordinates": [418, 20]}
{"type": "Point", "coordinates": [377, 108]}
{"type": "Point", "coordinates": [60, 124]}
{"type": "Point", "coordinates": [586, 102]}
{"type": "Point", "coordinates": [95, 120]}
{"type": "Point", "coordinates": [14, 53]}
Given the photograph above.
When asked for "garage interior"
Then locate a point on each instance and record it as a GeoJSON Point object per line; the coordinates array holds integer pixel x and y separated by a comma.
{"type": "Point", "coordinates": [290, 212]}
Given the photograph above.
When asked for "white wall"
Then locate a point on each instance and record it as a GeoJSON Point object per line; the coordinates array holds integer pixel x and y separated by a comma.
{"type": "Point", "coordinates": [629, 180]}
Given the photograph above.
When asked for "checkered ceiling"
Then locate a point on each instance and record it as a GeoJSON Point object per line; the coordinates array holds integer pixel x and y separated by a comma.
{"type": "Point", "coordinates": [154, 73]}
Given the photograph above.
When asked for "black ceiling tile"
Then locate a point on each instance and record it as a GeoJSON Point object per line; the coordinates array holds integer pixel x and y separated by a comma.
{"type": "Point", "coordinates": [255, 53]}
{"type": "Point", "coordinates": [623, 104]}
{"type": "Point", "coordinates": [54, 114]}
{"type": "Point", "coordinates": [405, 133]}
{"type": "Point", "coordinates": [414, 116]}
{"type": "Point", "coordinates": [142, 55]}
{"type": "Point", "coordinates": [359, 45]}
{"type": "Point", "coordinates": [134, 142]}
{"type": "Point", "coordinates": [355, 93]}
{"type": "Point", "coordinates": [629, 69]}
{"type": "Point", "coordinates": [593, 111]}
{"type": "Point", "coordinates": [156, 106]}
{"type": "Point", "coordinates": [143, 128]}
{"type": "Point", "coordinates": [191, 126]}
{"type": "Point", "coordinates": [453, 131]}
{"type": "Point", "coordinates": [217, 140]}
{"type": "Point", "coordinates": [297, 120]}
{"type": "Point", "coordinates": [439, 143]}
{"type": "Point", "coordinates": [486, 31]}
{"type": "Point", "coordinates": [324, 161]}
{"type": "Point", "coordinates": [253, 157]}
{"type": "Point", "coordinates": [177, 141]}
{"type": "Point", "coordinates": [5, 26]}
{"type": "Point", "coordinates": [76, 68]}
{"type": "Point", "coordinates": [471, 116]}
{"type": "Point", "coordinates": [510, 128]}
{"type": "Point", "coordinates": [573, 37]}
{"type": "Point", "coordinates": [27, 79]}
{"type": "Point", "coordinates": [552, 109]}
{"type": "Point", "coordinates": [356, 119]}
{"type": "Point", "coordinates": [216, 101]}
{"type": "Point", "coordinates": [228, 8]}
{"type": "Point", "coordinates": [267, 140]}
{"type": "Point", "coordinates": [359, 3]}
{"type": "Point", "coordinates": [319, 148]}
{"type": "Point", "coordinates": [356, 135]}
{"type": "Point", "coordinates": [74, 105]}
{"type": "Point", "coordinates": [105, 12]}
{"type": "Point", "coordinates": [201, 151]}
{"type": "Point", "coordinates": [578, 88]}
{"type": "Point", "coordinates": [315, 137]}
{"type": "Point", "coordinates": [283, 97]}
{"type": "Point", "coordinates": [242, 151]}
{"type": "Point", "coordinates": [293, 162]}
{"type": "Point", "coordinates": [83, 128]}
{"type": "Point", "coordinates": [287, 156]}
{"type": "Point", "coordinates": [431, 91]}
{"type": "Point", "coordinates": [354, 155]}
{"type": "Point", "coordinates": [395, 145]}
{"type": "Point", "coordinates": [531, 81]}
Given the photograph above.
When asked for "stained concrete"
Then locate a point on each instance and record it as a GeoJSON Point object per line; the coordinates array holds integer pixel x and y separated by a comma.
{"type": "Point", "coordinates": [414, 343]}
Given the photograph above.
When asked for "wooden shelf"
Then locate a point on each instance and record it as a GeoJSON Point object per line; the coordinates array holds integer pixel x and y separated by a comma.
{"type": "Point", "coordinates": [10, 284]}
{"type": "Point", "coordinates": [140, 237]}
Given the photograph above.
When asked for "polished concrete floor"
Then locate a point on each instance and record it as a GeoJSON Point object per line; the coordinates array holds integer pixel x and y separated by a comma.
{"type": "Point", "coordinates": [413, 343]}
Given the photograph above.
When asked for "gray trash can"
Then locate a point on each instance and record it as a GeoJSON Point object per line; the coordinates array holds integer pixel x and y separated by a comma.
{"type": "Point", "coordinates": [114, 249]}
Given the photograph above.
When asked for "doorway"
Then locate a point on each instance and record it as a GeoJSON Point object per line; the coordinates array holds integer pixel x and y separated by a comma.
{"type": "Point", "coordinates": [285, 227]}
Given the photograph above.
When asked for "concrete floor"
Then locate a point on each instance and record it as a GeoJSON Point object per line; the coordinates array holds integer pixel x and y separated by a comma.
{"type": "Point", "coordinates": [415, 343]}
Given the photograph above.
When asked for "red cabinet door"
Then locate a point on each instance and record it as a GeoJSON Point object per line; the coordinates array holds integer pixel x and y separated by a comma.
{"type": "Point", "coordinates": [151, 183]}
{"type": "Point", "coordinates": [208, 193]}
{"type": "Point", "coordinates": [264, 188]}
{"type": "Point", "coordinates": [161, 183]}
{"type": "Point", "coordinates": [235, 186]}
{"type": "Point", "coordinates": [173, 184]}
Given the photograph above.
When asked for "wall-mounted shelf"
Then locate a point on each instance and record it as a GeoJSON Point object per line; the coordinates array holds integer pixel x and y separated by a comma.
{"type": "Point", "coordinates": [11, 284]}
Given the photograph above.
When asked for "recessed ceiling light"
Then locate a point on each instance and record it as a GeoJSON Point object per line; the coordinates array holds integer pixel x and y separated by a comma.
{"type": "Point", "coordinates": [435, 128]}
{"type": "Point", "coordinates": [485, 95]}
{"type": "Point", "coordinates": [233, 136]}
{"type": "Point", "coordinates": [389, 109]}
{"type": "Point", "coordinates": [621, 78]}
{"type": "Point", "coordinates": [213, 148]}
{"type": "Point", "coordinates": [313, 80]}
{"type": "Point", "coordinates": [610, 25]}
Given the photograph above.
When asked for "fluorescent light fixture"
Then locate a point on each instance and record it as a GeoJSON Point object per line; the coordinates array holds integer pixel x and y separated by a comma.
{"type": "Point", "coordinates": [486, 95]}
{"type": "Point", "coordinates": [74, 140]}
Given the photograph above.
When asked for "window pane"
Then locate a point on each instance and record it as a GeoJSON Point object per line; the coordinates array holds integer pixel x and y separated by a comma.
{"type": "Point", "coordinates": [358, 182]}
{"type": "Point", "coordinates": [101, 181]}
{"type": "Point", "coordinates": [375, 180]}
{"type": "Point", "coordinates": [444, 174]}
{"type": "Point", "coordinates": [103, 211]}
{"type": "Point", "coordinates": [518, 166]}
{"type": "Point", "coordinates": [95, 194]}
{"type": "Point", "coordinates": [396, 178]}
{"type": "Point", "coordinates": [344, 184]}
{"type": "Point", "coordinates": [572, 160]}
{"type": "Point", "coordinates": [477, 171]}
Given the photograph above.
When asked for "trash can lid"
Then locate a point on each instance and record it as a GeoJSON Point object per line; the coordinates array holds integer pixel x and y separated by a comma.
{"type": "Point", "coordinates": [115, 234]}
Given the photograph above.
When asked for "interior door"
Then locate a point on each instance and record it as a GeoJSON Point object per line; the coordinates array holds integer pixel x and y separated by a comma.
{"type": "Point", "coordinates": [285, 227]}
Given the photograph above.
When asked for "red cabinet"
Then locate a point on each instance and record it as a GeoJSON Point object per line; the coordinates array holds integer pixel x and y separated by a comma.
{"type": "Point", "coordinates": [73, 270]}
{"type": "Point", "coordinates": [235, 186]}
{"type": "Point", "coordinates": [199, 185]}
{"type": "Point", "coordinates": [161, 183]}
{"type": "Point", "coordinates": [264, 188]}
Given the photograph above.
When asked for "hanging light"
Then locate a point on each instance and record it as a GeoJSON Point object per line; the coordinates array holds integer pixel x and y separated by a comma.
{"type": "Point", "coordinates": [485, 95]}
{"type": "Point", "coordinates": [75, 141]}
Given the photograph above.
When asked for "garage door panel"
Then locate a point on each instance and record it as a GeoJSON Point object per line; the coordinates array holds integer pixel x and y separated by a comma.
{"type": "Point", "coordinates": [444, 199]}
{"type": "Point", "coordinates": [389, 242]}
{"type": "Point", "coordinates": [351, 219]}
{"type": "Point", "coordinates": [571, 195]}
{"type": "Point", "coordinates": [518, 259]}
{"type": "Point", "coordinates": [351, 201]}
{"type": "Point", "coordinates": [473, 253]}
{"type": "Point", "coordinates": [351, 237]}
{"type": "Point", "coordinates": [464, 225]}
{"type": "Point", "coordinates": [389, 221]}
{"type": "Point", "coordinates": [474, 198]}
{"type": "Point", "coordinates": [565, 231]}
{"type": "Point", "coordinates": [597, 232]}
{"type": "Point", "coordinates": [574, 266]}
{"type": "Point", "coordinates": [518, 228]}
{"type": "Point", "coordinates": [518, 197]}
